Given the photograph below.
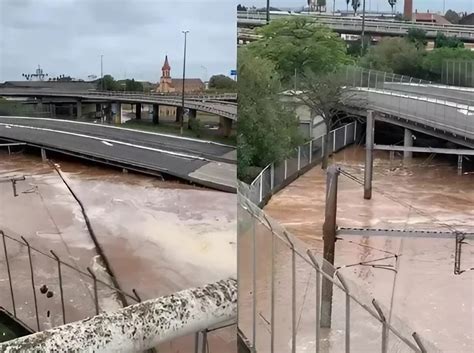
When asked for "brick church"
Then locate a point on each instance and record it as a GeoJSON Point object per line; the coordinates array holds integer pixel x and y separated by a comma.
{"type": "Point", "coordinates": [175, 85]}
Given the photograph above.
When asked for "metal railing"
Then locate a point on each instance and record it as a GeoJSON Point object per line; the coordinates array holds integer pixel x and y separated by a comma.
{"type": "Point", "coordinates": [458, 73]}
{"type": "Point", "coordinates": [277, 174]}
{"type": "Point", "coordinates": [283, 308]}
{"type": "Point", "coordinates": [32, 312]}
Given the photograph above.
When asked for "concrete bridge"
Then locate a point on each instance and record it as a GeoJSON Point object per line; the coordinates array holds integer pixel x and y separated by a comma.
{"type": "Point", "coordinates": [352, 25]}
{"type": "Point", "coordinates": [213, 104]}
{"type": "Point", "coordinates": [199, 162]}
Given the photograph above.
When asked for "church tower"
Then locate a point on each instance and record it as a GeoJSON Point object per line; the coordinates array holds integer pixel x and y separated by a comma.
{"type": "Point", "coordinates": [165, 80]}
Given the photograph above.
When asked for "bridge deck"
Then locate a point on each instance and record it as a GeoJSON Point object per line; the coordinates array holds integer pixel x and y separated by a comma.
{"type": "Point", "coordinates": [200, 162]}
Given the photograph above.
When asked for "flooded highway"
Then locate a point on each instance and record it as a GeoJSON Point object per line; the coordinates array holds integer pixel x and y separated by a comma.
{"type": "Point", "coordinates": [423, 194]}
{"type": "Point", "coordinates": [158, 236]}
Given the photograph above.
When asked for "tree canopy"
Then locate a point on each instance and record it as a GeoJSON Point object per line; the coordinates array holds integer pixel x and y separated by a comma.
{"type": "Point", "coordinates": [222, 82]}
{"type": "Point", "coordinates": [296, 44]}
{"type": "Point", "coordinates": [268, 130]}
{"type": "Point", "coordinates": [452, 16]}
{"type": "Point", "coordinates": [442, 41]}
{"type": "Point", "coordinates": [418, 37]}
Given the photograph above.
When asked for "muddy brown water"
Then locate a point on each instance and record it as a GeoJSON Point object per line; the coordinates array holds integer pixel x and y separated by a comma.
{"type": "Point", "coordinates": [424, 293]}
{"type": "Point", "coordinates": [159, 237]}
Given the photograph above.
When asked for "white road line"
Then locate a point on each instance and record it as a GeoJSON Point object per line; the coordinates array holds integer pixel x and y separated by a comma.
{"type": "Point", "coordinates": [123, 128]}
{"type": "Point", "coordinates": [178, 154]}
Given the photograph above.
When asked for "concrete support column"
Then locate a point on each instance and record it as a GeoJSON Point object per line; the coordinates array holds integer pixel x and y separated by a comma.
{"type": "Point", "coordinates": [369, 155]}
{"type": "Point", "coordinates": [225, 126]}
{"type": "Point", "coordinates": [191, 116]}
{"type": "Point", "coordinates": [460, 158]}
{"type": "Point", "coordinates": [108, 112]}
{"type": "Point", "coordinates": [79, 109]}
{"type": "Point", "coordinates": [39, 105]}
{"type": "Point", "coordinates": [179, 111]}
{"type": "Point", "coordinates": [52, 110]}
{"type": "Point", "coordinates": [138, 111]}
{"type": "Point", "coordinates": [156, 113]}
{"type": "Point", "coordinates": [407, 142]}
{"type": "Point", "coordinates": [71, 110]}
{"type": "Point", "coordinates": [117, 112]}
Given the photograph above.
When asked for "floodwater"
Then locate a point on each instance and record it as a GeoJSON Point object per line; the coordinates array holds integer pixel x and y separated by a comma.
{"type": "Point", "coordinates": [159, 237]}
{"type": "Point", "coordinates": [422, 194]}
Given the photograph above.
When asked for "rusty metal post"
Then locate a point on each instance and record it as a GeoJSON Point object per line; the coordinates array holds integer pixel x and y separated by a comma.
{"type": "Point", "coordinates": [204, 341]}
{"type": "Point", "coordinates": [384, 326]}
{"type": "Point", "coordinates": [60, 285]}
{"type": "Point", "coordinates": [369, 156]}
{"type": "Point", "coordinates": [419, 343]}
{"type": "Point", "coordinates": [293, 293]}
{"type": "Point", "coordinates": [9, 273]}
{"type": "Point", "coordinates": [348, 313]}
{"type": "Point", "coordinates": [318, 297]}
{"type": "Point", "coordinates": [32, 282]}
{"type": "Point", "coordinates": [96, 298]}
{"type": "Point", "coordinates": [136, 295]}
{"type": "Point", "coordinates": [329, 239]}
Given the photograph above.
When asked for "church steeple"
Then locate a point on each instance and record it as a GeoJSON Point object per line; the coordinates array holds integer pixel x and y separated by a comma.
{"type": "Point", "coordinates": [166, 69]}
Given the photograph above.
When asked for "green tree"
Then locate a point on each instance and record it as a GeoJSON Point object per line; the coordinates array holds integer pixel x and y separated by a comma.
{"type": "Point", "coordinates": [109, 84]}
{"type": "Point", "coordinates": [324, 94]}
{"type": "Point", "coordinates": [395, 55]}
{"type": "Point", "coordinates": [298, 43]}
{"type": "Point", "coordinates": [418, 37]}
{"type": "Point", "coordinates": [355, 5]}
{"type": "Point", "coordinates": [452, 16]}
{"type": "Point", "coordinates": [133, 86]}
{"type": "Point", "coordinates": [441, 41]}
{"type": "Point", "coordinates": [268, 130]}
{"type": "Point", "coordinates": [222, 82]}
{"type": "Point", "coordinates": [392, 3]}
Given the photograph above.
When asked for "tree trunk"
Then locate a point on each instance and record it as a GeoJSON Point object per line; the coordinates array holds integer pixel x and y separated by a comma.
{"type": "Point", "coordinates": [324, 163]}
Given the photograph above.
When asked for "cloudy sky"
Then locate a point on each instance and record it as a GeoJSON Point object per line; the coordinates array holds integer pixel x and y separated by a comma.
{"type": "Point", "coordinates": [68, 37]}
{"type": "Point", "coordinates": [421, 5]}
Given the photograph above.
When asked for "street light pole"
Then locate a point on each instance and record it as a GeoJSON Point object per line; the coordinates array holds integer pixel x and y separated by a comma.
{"type": "Point", "coordinates": [184, 77]}
{"type": "Point", "coordinates": [363, 29]}
{"type": "Point", "coordinates": [268, 11]}
{"type": "Point", "coordinates": [102, 72]}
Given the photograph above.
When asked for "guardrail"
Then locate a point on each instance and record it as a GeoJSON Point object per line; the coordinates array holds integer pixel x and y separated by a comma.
{"type": "Point", "coordinates": [276, 175]}
{"type": "Point", "coordinates": [355, 24]}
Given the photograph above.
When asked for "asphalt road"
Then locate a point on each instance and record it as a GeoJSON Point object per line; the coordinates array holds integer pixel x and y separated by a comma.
{"type": "Point", "coordinates": [182, 158]}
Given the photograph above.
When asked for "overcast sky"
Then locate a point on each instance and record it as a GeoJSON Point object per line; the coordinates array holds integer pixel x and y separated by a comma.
{"type": "Point", "coordinates": [68, 37]}
{"type": "Point", "coordinates": [421, 5]}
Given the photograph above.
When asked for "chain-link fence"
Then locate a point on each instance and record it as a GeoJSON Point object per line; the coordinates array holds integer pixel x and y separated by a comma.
{"type": "Point", "coordinates": [292, 300]}
{"type": "Point", "coordinates": [277, 174]}
{"type": "Point", "coordinates": [458, 73]}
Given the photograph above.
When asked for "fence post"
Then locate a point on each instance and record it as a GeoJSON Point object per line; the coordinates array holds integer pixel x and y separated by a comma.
{"type": "Point", "coordinates": [310, 151]}
{"type": "Point", "coordinates": [329, 239]}
{"type": "Point", "coordinates": [32, 282]}
{"type": "Point", "coordinates": [384, 326]}
{"type": "Point", "coordinates": [96, 299]}
{"type": "Point", "coordinates": [261, 187]}
{"type": "Point", "coordinates": [318, 296]}
{"type": "Point", "coordinates": [348, 313]}
{"type": "Point", "coordinates": [254, 285]}
{"type": "Point", "coordinates": [419, 343]}
{"type": "Point", "coordinates": [272, 295]}
{"type": "Point", "coordinates": [60, 285]}
{"type": "Point", "coordinates": [299, 157]}
{"type": "Point", "coordinates": [286, 168]}
{"type": "Point", "coordinates": [369, 158]}
{"type": "Point", "coordinates": [8, 272]}
{"type": "Point", "coordinates": [272, 176]}
{"type": "Point", "coordinates": [345, 135]}
{"type": "Point", "coordinates": [293, 294]}
{"type": "Point", "coordinates": [333, 140]}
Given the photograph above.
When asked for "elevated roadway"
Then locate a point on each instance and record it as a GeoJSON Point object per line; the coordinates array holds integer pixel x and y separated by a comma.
{"type": "Point", "coordinates": [207, 104]}
{"type": "Point", "coordinates": [352, 25]}
{"type": "Point", "coordinates": [203, 163]}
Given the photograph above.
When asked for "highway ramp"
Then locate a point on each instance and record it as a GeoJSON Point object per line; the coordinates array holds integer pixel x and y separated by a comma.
{"type": "Point", "coordinates": [204, 163]}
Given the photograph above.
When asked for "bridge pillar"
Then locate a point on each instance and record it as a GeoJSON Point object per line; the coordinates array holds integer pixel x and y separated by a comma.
{"type": "Point", "coordinates": [460, 158]}
{"type": "Point", "coordinates": [191, 116]}
{"type": "Point", "coordinates": [138, 111]}
{"type": "Point", "coordinates": [407, 142]}
{"type": "Point", "coordinates": [39, 105]}
{"type": "Point", "coordinates": [117, 112]}
{"type": "Point", "coordinates": [71, 110]}
{"type": "Point", "coordinates": [52, 109]}
{"type": "Point", "coordinates": [156, 113]}
{"type": "Point", "coordinates": [108, 112]}
{"type": "Point", "coordinates": [179, 112]}
{"type": "Point", "coordinates": [79, 109]}
{"type": "Point", "coordinates": [225, 126]}
{"type": "Point", "coordinates": [369, 155]}
{"type": "Point", "coordinates": [98, 110]}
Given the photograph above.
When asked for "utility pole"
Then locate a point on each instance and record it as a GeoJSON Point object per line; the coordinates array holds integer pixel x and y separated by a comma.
{"type": "Point", "coordinates": [369, 155]}
{"type": "Point", "coordinates": [184, 77]}
{"type": "Point", "coordinates": [363, 29]}
{"type": "Point", "coordinates": [329, 240]}
{"type": "Point", "coordinates": [102, 71]}
{"type": "Point", "coordinates": [268, 11]}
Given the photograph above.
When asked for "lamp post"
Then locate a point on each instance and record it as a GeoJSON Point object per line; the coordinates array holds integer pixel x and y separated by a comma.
{"type": "Point", "coordinates": [268, 11]}
{"type": "Point", "coordinates": [363, 29]}
{"type": "Point", "coordinates": [184, 77]}
{"type": "Point", "coordinates": [102, 71]}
